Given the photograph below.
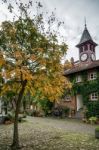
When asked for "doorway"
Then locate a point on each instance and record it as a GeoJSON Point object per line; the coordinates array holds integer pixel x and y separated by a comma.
{"type": "Point", "coordinates": [79, 102]}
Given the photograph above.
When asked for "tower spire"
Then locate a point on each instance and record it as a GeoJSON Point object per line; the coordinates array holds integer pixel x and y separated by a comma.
{"type": "Point", "coordinates": [85, 36]}
{"type": "Point", "coordinates": [85, 22]}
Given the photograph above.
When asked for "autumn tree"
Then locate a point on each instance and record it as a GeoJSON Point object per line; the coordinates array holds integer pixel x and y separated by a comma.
{"type": "Point", "coordinates": [30, 59]}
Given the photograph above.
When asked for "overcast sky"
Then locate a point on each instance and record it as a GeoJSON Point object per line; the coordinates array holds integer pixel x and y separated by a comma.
{"type": "Point", "coordinates": [72, 12]}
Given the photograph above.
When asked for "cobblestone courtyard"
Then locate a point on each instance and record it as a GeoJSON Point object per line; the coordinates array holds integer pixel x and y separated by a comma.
{"type": "Point", "coordinates": [51, 134]}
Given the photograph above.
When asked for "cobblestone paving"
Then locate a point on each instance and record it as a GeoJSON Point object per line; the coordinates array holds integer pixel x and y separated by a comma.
{"type": "Point", "coordinates": [72, 125]}
{"type": "Point", "coordinates": [51, 134]}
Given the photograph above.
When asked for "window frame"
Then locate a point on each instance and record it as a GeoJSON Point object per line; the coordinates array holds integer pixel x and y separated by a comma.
{"type": "Point", "coordinates": [78, 78]}
{"type": "Point", "coordinates": [92, 76]}
{"type": "Point", "coordinates": [67, 98]}
{"type": "Point", "coordinates": [94, 96]}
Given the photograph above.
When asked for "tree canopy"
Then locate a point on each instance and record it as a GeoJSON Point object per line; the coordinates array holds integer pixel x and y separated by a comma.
{"type": "Point", "coordinates": [28, 55]}
{"type": "Point", "coordinates": [30, 59]}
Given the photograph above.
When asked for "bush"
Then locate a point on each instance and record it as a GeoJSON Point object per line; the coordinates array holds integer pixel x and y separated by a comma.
{"type": "Point", "coordinates": [28, 112]}
{"type": "Point", "coordinates": [93, 109]}
{"type": "Point", "coordinates": [87, 114]}
{"type": "Point", "coordinates": [24, 115]}
{"type": "Point", "coordinates": [6, 118]}
{"type": "Point", "coordinates": [20, 119]}
{"type": "Point", "coordinates": [93, 120]}
{"type": "Point", "coordinates": [97, 133]}
{"type": "Point", "coordinates": [11, 116]}
{"type": "Point", "coordinates": [57, 112]}
{"type": "Point", "coordinates": [97, 129]}
{"type": "Point", "coordinates": [66, 111]}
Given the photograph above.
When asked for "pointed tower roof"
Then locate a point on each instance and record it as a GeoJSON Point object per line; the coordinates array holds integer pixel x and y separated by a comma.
{"type": "Point", "coordinates": [85, 37]}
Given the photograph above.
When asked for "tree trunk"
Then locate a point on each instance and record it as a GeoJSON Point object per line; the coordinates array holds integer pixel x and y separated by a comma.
{"type": "Point", "coordinates": [15, 144]}
{"type": "Point", "coordinates": [24, 105]}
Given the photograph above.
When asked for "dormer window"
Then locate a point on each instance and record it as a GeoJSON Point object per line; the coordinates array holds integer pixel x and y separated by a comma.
{"type": "Point", "coordinates": [78, 78]}
{"type": "Point", "coordinates": [94, 96]}
{"type": "Point", "coordinates": [92, 76]}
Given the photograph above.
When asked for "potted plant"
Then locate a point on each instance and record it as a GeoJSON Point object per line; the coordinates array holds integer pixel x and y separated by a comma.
{"type": "Point", "coordinates": [97, 132]}
{"type": "Point", "coordinates": [93, 120]}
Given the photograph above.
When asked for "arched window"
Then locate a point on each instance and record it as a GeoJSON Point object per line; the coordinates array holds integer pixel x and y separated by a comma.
{"type": "Point", "coordinates": [91, 47]}
{"type": "Point", "coordinates": [86, 47]}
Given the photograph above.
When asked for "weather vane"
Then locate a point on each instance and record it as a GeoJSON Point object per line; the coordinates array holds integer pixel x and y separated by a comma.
{"type": "Point", "coordinates": [85, 21]}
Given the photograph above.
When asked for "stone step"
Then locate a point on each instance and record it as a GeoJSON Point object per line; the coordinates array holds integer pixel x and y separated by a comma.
{"type": "Point", "coordinates": [79, 114]}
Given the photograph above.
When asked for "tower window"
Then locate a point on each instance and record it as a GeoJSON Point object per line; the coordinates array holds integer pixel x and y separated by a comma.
{"type": "Point", "coordinates": [94, 96]}
{"type": "Point", "coordinates": [81, 49]}
{"type": "Point", "coordinates": [91, 47]}
{"type": "Point", "coordinates": [86, 48]}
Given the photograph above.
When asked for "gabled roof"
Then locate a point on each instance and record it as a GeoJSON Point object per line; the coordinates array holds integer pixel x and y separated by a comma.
{"type": "Point", "coordinates": [85, 37]}
{"type": "Point", "coordinates": [81, 67]}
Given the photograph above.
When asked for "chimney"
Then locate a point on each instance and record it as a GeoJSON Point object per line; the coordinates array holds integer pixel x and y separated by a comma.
{"type": "Point", "coordinates": [72, 61]}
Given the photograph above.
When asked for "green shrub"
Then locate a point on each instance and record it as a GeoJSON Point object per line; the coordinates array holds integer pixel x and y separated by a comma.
{"type": "Point", "coordinates": [93, 109]}
{"type": "Point", "coordinates": [10, 116]}
{"type": "Point", "coordinates": [24, 115]}
{"type": "Point", "coordinates": [93, 120]}
{"type": "Point", "coordinates": [97, 128]}
{"type": "Point", "coordinates": [87, 114]}
{"type": "Point", "coordinates": [19, 119]}
{"type": "Point", "coordinates": [6, 118]}
{"type": "Point", "coordinates": [66, 111]}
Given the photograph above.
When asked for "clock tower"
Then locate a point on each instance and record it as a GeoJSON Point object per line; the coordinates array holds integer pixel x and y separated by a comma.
{"type": "Point", "coordinates": [86, 47]}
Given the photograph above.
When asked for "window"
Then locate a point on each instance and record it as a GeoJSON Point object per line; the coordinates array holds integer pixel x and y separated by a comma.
{"type": "Point", "coordinates": [94, 96]}
{"type": "Point", "coordinates": [78, 78]}
{"type": "Point", "coordinates": [81, 49]}
{"type": "Point", "coordinates": [67, 98]}
{"type": "Point", "coordinates": [94, 49]}
{"type": "Point", "coordinates": [91, 47]}
{"type": "Point", "coordinates": [86, 47]}
{"type": "Point", "coordinates": [92, 76]}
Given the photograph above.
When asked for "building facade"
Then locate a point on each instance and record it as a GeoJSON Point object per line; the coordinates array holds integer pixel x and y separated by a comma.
{"type": "Point", "coordinates": [84, 76]}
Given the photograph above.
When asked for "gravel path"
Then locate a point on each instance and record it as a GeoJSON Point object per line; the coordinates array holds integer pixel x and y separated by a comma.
{"type": "Point", "coordinates": [68, 125]}
{"type": "Point", "coordinates": [50, 134]}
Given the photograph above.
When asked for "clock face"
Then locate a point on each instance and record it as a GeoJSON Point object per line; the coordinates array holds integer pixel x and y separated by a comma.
{"type": "Point", "coordinates": [93, 57]}
{"type": "Point", "coordinates": [84, 57]}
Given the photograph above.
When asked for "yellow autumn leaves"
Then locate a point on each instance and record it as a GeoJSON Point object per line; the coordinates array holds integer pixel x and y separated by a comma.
{"type": "Point", "coordinates": [32, 57]}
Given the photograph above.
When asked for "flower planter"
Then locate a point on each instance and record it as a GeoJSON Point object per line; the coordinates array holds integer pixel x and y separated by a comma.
{"type": "Point", "coordinates": [96, 134]}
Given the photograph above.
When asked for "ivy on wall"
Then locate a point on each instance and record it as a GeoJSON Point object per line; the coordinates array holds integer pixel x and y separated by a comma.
{"type": "Point", "coordinates": [85, 88]}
